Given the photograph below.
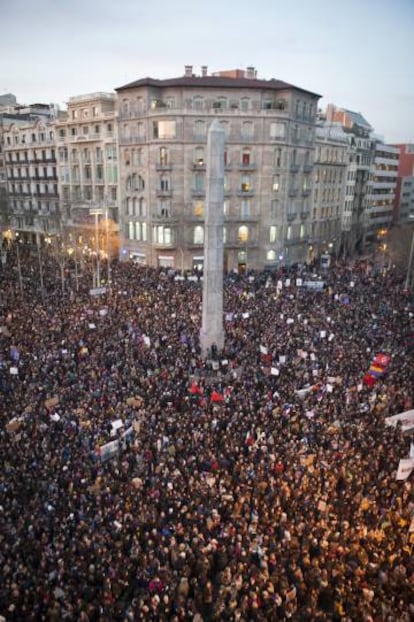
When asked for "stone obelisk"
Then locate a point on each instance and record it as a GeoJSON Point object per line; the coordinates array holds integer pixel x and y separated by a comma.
{"type": "Point", "coordinates": [212, 331]}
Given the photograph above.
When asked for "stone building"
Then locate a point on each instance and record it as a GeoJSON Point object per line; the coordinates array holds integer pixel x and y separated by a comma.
{"type": "Point", "coordinates": [87, 161]}
{"type": "Point", "coordinates": [270, 143]}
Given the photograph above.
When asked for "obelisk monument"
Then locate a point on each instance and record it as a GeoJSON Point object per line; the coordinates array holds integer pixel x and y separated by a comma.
{"type": "Point", "coordinates": [212, 331]}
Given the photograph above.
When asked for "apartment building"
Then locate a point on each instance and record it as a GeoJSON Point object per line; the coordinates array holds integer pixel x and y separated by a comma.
{"type": "Point", "coordinates": [29, 156]}
{"type": "Point", "coordinates": [404, 194]}
{"type": "Point", "coordinates": [328, 196]}
{"type": "Point", "coordinates": [360, 159]}
{"type": "Point", "coordinates": [381, 191]}
{"type": "Point", "coordinates": [87, 161]}
{"type": "Point", "coordinates": [269, 155]}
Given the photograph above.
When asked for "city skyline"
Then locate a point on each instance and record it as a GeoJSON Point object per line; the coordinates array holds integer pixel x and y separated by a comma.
{"type": "Point", "coordinates": [353, 57]}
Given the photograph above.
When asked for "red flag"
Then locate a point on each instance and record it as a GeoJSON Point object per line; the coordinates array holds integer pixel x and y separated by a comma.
{"type": "Point", "coordinates": [195, 389]}
{"type": "Point", "coordinates": [217, 397]}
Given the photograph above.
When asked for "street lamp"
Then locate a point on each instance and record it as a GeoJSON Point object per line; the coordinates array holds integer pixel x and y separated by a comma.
{"type": "Point", "coordinates": [97, 212]}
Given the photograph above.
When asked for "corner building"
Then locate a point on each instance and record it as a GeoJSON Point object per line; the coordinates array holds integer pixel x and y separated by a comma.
{"type": "Point", "coordinates": [270, 138]}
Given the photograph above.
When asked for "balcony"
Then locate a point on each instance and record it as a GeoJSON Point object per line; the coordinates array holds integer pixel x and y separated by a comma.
{"type": "Point", "coordinates": [293, 192]}
{"type": "Point", "coordinates": [306, 192]}
{"type": "Point", "coordinates": [250, 166]}
{"type": "Point", "coordinates": [235, 218]}
{"type": "Point", "coordinates": [131, 140]}
{"type": "Point", "coordinates": [245, 193]}
{"type": "Point", "coordinates": [304, 214]}
{"type": "Point", "coordinates": [166, 166]}
{"type": "Point", "coordinates": [294, 167]}
{"type": "Point", "coordinates": [201, 165]}
{"type": "Point", "coordinates": [163, 193]}
{"type": "Point", "coordinates": [307, 168]}
{"type": "Point", "coordinates": [291, 216]}
{"type": "Point", "coordinates": [197, 192]}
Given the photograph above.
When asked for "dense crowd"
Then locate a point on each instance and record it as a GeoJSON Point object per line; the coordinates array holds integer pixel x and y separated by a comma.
{"type": "Point", "coordinates": [140, 481]}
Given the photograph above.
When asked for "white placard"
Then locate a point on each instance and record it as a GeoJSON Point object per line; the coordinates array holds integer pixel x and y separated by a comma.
{"type": "Point", "coordinates": [274, 371]}
{"type": "Point", "coordinates": [14, 371]}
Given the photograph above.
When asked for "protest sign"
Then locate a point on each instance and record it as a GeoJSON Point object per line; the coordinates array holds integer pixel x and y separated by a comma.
{"type": "Point", "coordinates": [406, 419]}
{"type": "Point", "coordinates": [405, 466]}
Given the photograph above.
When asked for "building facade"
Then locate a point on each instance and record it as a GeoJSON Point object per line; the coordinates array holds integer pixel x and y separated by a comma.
{"type": "Point", "coordinates": [329, 181]}
{"type": "Point", "coordinates": [30, 161]}
{"type": "Point", "coordinates": [270, 143]}
{"type": "Point", "coordinates": [381, 191]}
{"type": "Point", "coordinates": [87, 162]}
{"type": "Point", "coordinates": [404, 195]}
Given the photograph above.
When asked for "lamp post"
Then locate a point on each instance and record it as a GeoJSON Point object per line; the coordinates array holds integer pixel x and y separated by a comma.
{"type": "Point", "coordinates": [97, 212]}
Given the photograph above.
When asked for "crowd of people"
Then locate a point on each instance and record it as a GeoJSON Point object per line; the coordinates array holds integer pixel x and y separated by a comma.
{"type": "Point", "coordinates": [143, 481]}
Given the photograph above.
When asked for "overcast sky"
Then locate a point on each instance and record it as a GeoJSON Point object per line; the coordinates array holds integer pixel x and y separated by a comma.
{"type": "Point", "coordinates": [358, 54]}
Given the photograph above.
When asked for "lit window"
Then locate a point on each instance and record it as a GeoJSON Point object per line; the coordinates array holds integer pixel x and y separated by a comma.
{"type": "Point", "coordinates": [198, 236]}
{"type": "Point", "coordinates": [271, 256]}
{"type": "Point", "coordinates": [289, 233]}
{"type": "Point", "coordinates": [243, 234]}
{"type": "Point", "coordinates": [276, 183]}
{"type": "Point", "coordinates": [199, 209]}
{"type": "Point", "coordinates": [272, 234]}
{"type": "Point", "coordinates": [164, 129]}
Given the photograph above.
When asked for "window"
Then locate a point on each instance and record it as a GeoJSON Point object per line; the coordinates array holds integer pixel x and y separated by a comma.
{"type": "Point", "coordinates": [276, 183]}
{"type": "Point", "coordinates": [198, 209]}
{"type": "Point", "coordinates": [289, 232]}
{"type": "Point", "coordinates": [199, 129]}
{"type": "Point", "coordinates": [272, 234]}
{"type": "Point", "coordinates": [278, 157]}
{"type": "Point", "coordinates": [198, 102]}
{"type": "Point", "coordinates": [243, 233]}
{"type": "Point", "coordinates": [131, 230]}
{"type": "Point", "coordinates": [142, 207]}
{"type": "Point", "coordinates": [245, 184]}
{"type": "Point", "coordinates": [302, 231]}
{"type": "Point", "coordinates": [97, 129]}
{"type": "Point", "coordinates": [199, 182]}
{"type": "Point", "coordinates": [73, 131]}
{"type": "Point", "coordinates": [198, 235]}
{"type": "Point", "coordinates": [244, 104]}
{"type": "Point", "coordinates": [224, 235]}
{"type": "Point", "coordinates": [246, 157]}
{"type": "Point", "coordinates": [74, 114]}
{"type": "Point", "coordinates": [95, 111]}
{"type": "Point", "coordinates": [245, 208]}
{"type": "Point", "coordinates": [162, 235]}
{"type": "Point", "coordinates": [199, 156]}
{"type": "Point", "coordinates": [277, 130]}
{"type": "Point", "coordinates": [61, 133]}
{"type": "Point", "coordinates": [163, 156]}
{"type": "Point", "coordinates": [164, 129]}
{"type": "Point", "coordinates": [271, 256]}
{"type": "Point", "coordinates": [247, 130]}
{"type": "Point", "coordinates": [164, 183]}
{"type": "Point", "coordinates": [226, 208]}
{"type": "Point", "coordinates": [164, 208]}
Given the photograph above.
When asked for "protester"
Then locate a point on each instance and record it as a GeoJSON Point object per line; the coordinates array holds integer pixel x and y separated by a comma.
{"type": "Point", "coordinates": [142, 482]}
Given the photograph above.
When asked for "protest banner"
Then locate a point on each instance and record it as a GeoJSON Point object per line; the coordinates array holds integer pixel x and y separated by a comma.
{"type": "Point", "coordinates": [405, 467]}
{"type": "Point", "coordinates": [406, 419]}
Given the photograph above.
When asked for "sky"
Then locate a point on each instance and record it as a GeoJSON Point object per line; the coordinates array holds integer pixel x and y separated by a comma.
{"type": "Point", "coordinates": [357, 54]}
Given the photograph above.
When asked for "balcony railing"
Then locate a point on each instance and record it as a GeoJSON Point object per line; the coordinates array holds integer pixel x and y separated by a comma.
{"type": "Point", "coordinates": [291, 216]}
{"type": "Point", "coordinates": [293, 192]}
{"type": "Point", "coordinates": [166, 166]}
{"type": "Point", "coordinates": [294, 167]}
{"type": "Point", "coordinates": [162, 193]}
{"type": "Point", "coordinates": [250, 166]}
{"type": "Point", "coordinates": [245, 193]}
{"type": "Point", "coordinates": [199, 166]}
{"type": "Point", "coordinates": [307, 168]}
{"type": "Point", "coordinates": [197, 192]}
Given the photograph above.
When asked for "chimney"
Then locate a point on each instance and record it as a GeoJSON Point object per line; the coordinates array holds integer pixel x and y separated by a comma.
{"type": "Point", "coordinates": [203, 70]}
{"type": "Point", "coordinates": [251, 73]}
{"type": "Point", "coordinates": [188, 71]}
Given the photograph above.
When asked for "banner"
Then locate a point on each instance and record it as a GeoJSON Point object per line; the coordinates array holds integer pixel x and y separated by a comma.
{"type": "Point", "coordinates": [406, 419]}
{"type": "Point", "coordinates": [405, 467]}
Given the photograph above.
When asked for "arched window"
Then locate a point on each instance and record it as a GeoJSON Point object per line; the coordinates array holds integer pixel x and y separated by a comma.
{"type": "Point", "coordinates": [198, 236]}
